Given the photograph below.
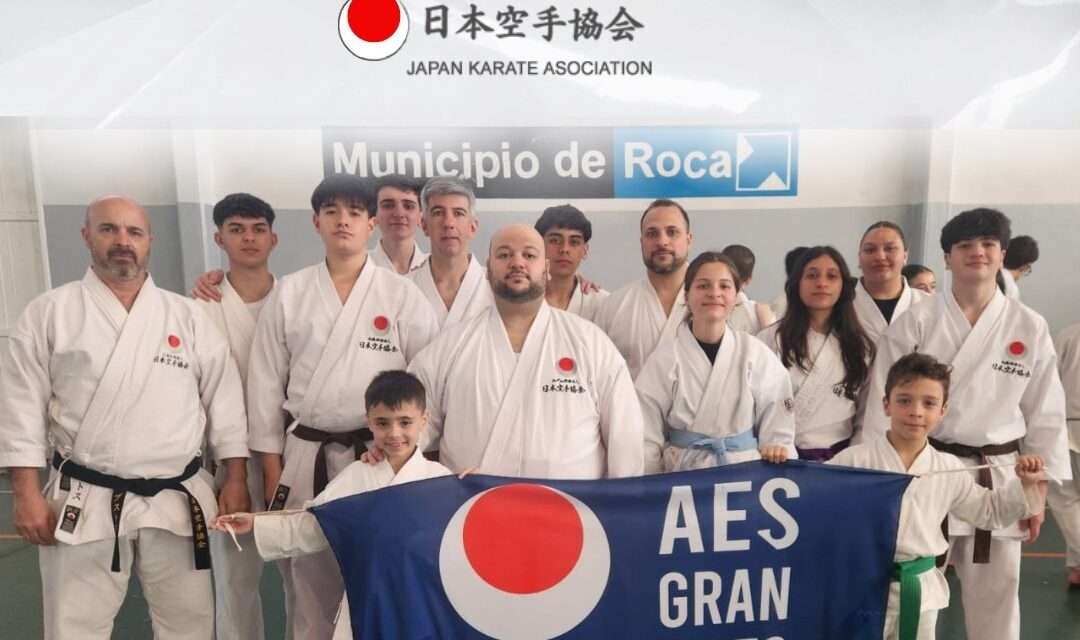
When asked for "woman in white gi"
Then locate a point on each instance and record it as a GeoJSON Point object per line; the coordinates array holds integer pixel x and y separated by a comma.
{"type": "Point", "coordinates": [825, 350]}
{"type": "Point", "coordinates": [883, 293]}
{"type": "Point", "coordinates": [712, 395]}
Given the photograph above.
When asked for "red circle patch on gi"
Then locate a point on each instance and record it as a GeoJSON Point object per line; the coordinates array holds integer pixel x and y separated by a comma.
{"type": "Point", "coordinates": [567, 365]}
{"type": "Point", "coordinates": [524, 557]}
{"type": "Point", "coordinates": [1017, 348]}
{"type": "Point", "coordinates": [381, 324]}
{"type": "Point", "coordinates": [173, 341]}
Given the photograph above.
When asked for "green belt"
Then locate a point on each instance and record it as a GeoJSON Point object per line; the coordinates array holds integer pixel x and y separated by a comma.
{"type": "Point", "coordinates": [911, 593]}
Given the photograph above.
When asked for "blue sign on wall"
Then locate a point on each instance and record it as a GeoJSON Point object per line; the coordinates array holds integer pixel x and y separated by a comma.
{"type": "Point", "coordinates": [705, 162]}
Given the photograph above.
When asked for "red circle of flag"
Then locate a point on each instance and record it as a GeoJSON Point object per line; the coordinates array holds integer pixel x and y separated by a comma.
{"type": "Point", "coordinates": [174, 342]}
{"type": "Point", "coordinates": [1017, 348]}
{"type": "Point", "coordinates": [523, 538]}
{"type": "Point", "coordinates": [566, 364]}
{"type": "Point", "coordinates": [381, 323]}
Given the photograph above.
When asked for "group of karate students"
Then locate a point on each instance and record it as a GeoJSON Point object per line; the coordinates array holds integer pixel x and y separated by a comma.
{"type": "Point", "coordinates": [157, 413]}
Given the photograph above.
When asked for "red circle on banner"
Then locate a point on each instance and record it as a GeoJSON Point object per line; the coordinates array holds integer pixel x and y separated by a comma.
{"type": "Point", "coordinates": [523, 538]}
{"type": "Point", "coordinates": [174, 342]}
{"type": "Point", "coordinates": [566, 364]}
{"type": "Point", "coordinates": [381, 323]}
{"type": "Point", "coordinates": [1017, 348]}
{"type": "Point", "coordinates": [374, 20]}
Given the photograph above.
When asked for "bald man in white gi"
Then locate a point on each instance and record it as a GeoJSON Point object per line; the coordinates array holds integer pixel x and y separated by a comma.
{"type": "Point", "coordinates": [523, 389]}
{"type": "Point", "coordinates": [123, 383]}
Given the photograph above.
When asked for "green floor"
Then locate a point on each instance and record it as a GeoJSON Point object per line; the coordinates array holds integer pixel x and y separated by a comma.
{"type": "Point", "coordinates": [1049, 611]}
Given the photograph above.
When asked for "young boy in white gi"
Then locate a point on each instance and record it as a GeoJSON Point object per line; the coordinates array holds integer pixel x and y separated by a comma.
{"type": "Point", "coordinates": [566, 232]}
{"type": "Point", "coordinates": [245, 232]}
{"type": "Point", "coordinates": [397, 415]}
{"type": "Point", "coordinates": [916, 397]}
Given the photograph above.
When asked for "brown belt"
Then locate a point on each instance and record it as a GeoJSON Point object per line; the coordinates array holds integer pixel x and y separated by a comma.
{"type": "Point", "coordinates": [981, 554]}
{"type": "Point", "coordinates": [355, 439]}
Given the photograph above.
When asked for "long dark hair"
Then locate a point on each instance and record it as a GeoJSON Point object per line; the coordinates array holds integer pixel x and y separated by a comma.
{"type": "Point", "coordinates": [856, 348]}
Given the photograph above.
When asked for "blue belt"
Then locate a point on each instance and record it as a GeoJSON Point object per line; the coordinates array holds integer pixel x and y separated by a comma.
{"type": "Point", "coordinates": [719, 447]}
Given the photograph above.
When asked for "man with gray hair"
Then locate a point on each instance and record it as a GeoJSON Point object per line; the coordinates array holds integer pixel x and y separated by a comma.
{"type": "Point", "coordinates": [123, 382]}
{"type": "Point", "coordinates": [451, 279]}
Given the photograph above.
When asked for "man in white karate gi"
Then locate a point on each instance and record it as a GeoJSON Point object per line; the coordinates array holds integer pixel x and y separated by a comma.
{"type": "Point", "coordinates": [1006, 398]}
{"type": "Point", "coordinates": [451, 279]}
{"type": "Point", "coordinates": [636, 316]}
{"type": "Point", "coordinates": [122, 383]}
{"type": "Point", "coordinates": [244, 231]}
{"type": "Point", "coordinates": [325, 332]}
{"type": "Point", "coordinates": [523, 389]}
{"type": "Point", "coordinates": [398, 200]}
{"type": "Point", "coordinates": [566, 232]}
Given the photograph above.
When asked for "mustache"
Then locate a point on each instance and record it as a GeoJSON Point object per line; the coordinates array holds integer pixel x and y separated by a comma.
{"type": "Point", "coordinates": [115, 253]}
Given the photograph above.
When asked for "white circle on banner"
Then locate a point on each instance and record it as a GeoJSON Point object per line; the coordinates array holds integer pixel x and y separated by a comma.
{"type": "Point", "coordinates": [524, 561]}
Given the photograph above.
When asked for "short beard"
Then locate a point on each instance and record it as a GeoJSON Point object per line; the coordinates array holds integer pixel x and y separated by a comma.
{"type": "Point", "coordinates": [676, 264]}
{"type": "Point", "coordinates": [504, 292]}
{"type": "Point", "coordinates": [121, 272]}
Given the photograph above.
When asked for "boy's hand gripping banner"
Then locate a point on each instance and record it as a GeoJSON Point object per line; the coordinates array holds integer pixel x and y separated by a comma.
{"type": "Point", "coordinates": [743, 552]}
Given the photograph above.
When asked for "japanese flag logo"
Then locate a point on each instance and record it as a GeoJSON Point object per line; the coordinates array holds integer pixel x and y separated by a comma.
{"type": "Point", "coordinates": [566, 365]}
{"type": "Point", "coordinates": [1017, 349]}
{"type": "Point", "coordinates": [174, 342]}
{"type": "Point", "coordinates": [373, 29]}
{"type": "Point", "coordinates": [381, 324]}
{"type": "Point", "coordinates": [524, 561]}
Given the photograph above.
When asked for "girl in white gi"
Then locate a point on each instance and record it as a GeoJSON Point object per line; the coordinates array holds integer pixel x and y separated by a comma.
{"type": "Point", "coordinates": [396, 413]}
{"type": "Point", "coordinates": [825, 350]}
{"type": "Point", "coordinates": [883, 293]}
{"type": "Point", "coordinates": [917, 392]}
{"type": "Point", "coordinates": [711, 395]}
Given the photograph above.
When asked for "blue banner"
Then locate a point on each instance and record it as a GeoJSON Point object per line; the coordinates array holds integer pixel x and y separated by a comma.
{"type": "Point", "coordinates": [747, 551]}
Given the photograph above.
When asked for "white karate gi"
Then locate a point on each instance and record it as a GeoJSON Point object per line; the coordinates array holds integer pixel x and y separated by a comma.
{"type": "Point", "coordinates": [237, 574]}
{"type": "Point", "coordinates": [473, 296]}
{"type": "Point", "coordinates": [130, 394]}
{"type": "Point", "coordinates": [1064, 499]}
{"type": "Point", "coordinates": [1004, 387]}
{"type": "Point", "coordinates": [745, 390]}
{"type": "Point", "coordinates": [586, 304]}
{"type": "Point", "coordinates": [824, 416]}
{"type": "Point", "coordinates": [382, 259]}
{"type": "Point", "coordinates": [634, 320]}
{"type": "Point", "coordinates": [744, 317]}
{"type": "Point", "coordinates": [562, 408]}
{"type": "Point", "coordinates": [870, 317]}
{"type": "Point", "coordinates": [280, 537]}
{"type": "Point", "coordinates": [924, 505]}
{"type": "Point", "coordinates": [314, 357]}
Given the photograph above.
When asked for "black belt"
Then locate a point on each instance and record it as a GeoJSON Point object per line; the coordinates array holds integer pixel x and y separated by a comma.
{"type": "Point", "coordinates": [355, 439]}
{"type": "Point", "coordinates": [144, 487]}
{"type": "Point", "coordinates": [981, 554]}
{"type": "Point", "coordinates": [823, 454]}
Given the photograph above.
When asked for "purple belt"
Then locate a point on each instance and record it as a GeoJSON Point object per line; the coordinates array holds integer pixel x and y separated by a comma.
{"type": "Point", "coordinates": [822, 455]}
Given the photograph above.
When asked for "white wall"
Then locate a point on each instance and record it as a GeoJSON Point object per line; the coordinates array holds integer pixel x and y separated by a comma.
{"type": "Point", "coordinates": [22, 271]}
